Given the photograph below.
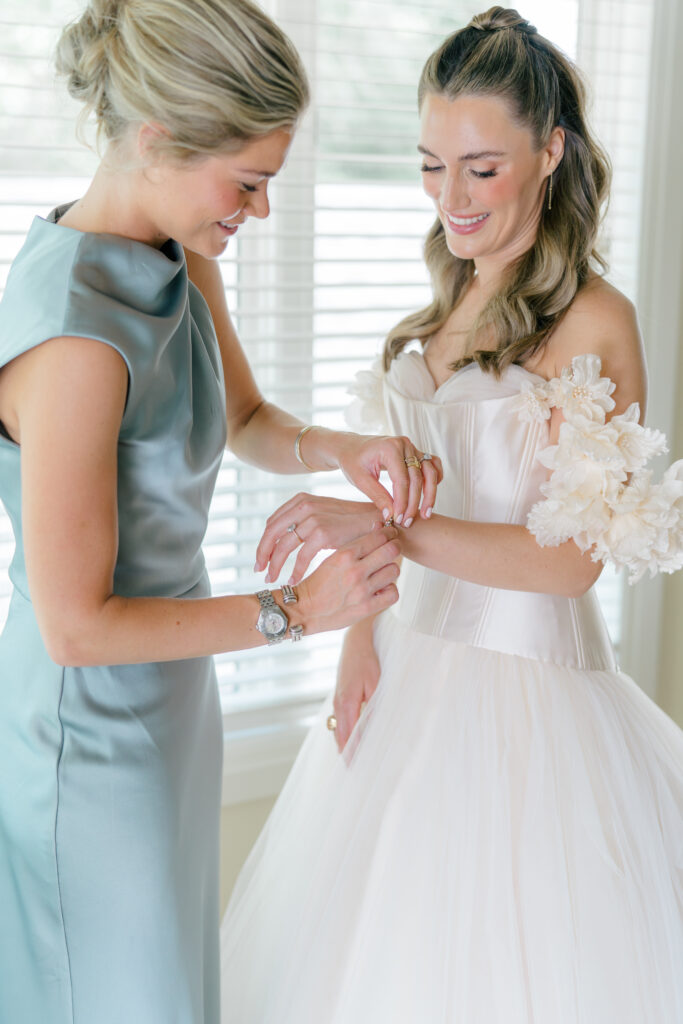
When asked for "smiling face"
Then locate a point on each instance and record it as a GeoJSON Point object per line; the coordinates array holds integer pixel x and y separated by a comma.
{"type": "Point", "coordinates": [202, 203]}
{"type": "Point", "coordinates": [486, 177]}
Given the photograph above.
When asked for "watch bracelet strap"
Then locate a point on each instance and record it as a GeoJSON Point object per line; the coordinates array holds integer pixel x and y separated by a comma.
{"type": "Point", "coordinates": [289, 596]}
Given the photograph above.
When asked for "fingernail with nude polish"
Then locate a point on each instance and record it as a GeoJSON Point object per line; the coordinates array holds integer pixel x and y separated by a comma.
{"type": "Point", "coordinates": [428, 513]}
{"type": "Point", "coordinates": [386, 514]}
{"type": "Point", "coordinates": [399, 519]}
{"type": "Point", "coordinates": [407, 523]}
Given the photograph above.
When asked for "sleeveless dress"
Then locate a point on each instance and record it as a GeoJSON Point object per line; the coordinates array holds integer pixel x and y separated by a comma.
{"type": "Point", "coordinates": [502, 840]}
{"type": "Point", "coordinates": [110, 776]}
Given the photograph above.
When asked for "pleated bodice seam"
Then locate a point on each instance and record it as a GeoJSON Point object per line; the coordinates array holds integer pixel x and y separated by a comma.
{"type": "Point", "coordinates": [467, 504]}
{"type": "Point", "coordinates": [526, 463]}
{"type": "Point", "coordinates": [577, 633]}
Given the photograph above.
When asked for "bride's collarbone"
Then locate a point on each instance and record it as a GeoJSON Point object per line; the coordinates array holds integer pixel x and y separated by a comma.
{"type": "Point", "coordinates": [440, 360]}
{"type": "Point", "coordinates": [444, 350]}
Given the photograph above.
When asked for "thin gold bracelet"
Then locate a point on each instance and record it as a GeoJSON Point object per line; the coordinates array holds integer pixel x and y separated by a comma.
{"type": "Point", "coordinates": [297, 447]}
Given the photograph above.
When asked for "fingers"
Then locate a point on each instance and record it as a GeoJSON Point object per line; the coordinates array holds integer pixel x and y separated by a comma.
{"type": "Point", "coordinates": [378, 495]}
{"type": "Point", "coordinates": [350, 704]}
{"type": "Point", "coordinates": [276, 526]}
{"type": "Point", "coordinates": [307, 553]}
{"type": "Point", "coordinates": [347, 713]}
{"type": "Point", "coordinates": [415, 490]}
{"type": "Point", "coordinates": [431, 477]}
{"type": "Point", "coordinates": [383, 599]}
{"type": "Point", "coordinates": [411, 483]}
{"type": "Point", "coordinates": [385, 576]}
{"type": "Point", "coordinates": [394, 463]}
{"type": "Point", "coordinates": [407, 479]}
{"type": "Point", "coordinates": [369, 544]}
{"type": "Point", "coordinates": [315, 521]}
{"type": "Point", "coordinates": [412, 477]}
{"type": "Point", "coordinates": [284, 546]}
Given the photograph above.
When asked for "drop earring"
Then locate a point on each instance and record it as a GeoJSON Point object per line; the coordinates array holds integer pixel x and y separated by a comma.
{"type": "Point", "coordinates": [550, 192]}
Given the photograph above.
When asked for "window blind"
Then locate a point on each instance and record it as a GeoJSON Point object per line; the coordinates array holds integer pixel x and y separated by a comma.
{"type": "Point", "coordinates": [314, 289]}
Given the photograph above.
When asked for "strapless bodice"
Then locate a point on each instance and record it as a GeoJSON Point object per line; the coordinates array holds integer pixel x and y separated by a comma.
{"type": "Point", "coordinates": [491, 474]}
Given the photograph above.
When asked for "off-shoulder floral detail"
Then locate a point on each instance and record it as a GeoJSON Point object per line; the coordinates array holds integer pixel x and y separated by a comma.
{"type": "Point", "coordinates": [578, 390]}
{"type": "Point", "coordinates": [599, 493]}
{"type": "Point", "coordinates": [366, 414]}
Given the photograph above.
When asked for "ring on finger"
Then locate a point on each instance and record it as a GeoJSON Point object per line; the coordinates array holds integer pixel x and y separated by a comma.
{"type": "Point", "coordinates": [292, 529]}
{"type": "Point", "coordinates": [412, 462]}
{"type": "Point", "coordinates": [331, 723]}
{"type": "Point", "coordinates": [425, 457]}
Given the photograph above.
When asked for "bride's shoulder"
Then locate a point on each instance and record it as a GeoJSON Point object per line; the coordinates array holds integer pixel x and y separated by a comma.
{"type": "Point", "coordinates": [598, 305]}
{"type": "Point", "coordinates": [602, 321]}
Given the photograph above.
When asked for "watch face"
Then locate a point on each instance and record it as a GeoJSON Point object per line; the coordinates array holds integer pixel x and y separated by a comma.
{"type": "Point", "coordinates": [272, 622]}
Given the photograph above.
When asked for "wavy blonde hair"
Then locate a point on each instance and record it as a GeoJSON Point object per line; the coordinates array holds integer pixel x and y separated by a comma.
{"type": "Point", "coordinates": [213, 74]}
{"type": "Point", "coordinates": [500, 54]}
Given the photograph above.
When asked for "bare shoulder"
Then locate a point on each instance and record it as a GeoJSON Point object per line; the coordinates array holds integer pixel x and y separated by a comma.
{"type": "Point", "coordinates": [601, 309]}
{"type": "Point", "coordinates": [602, 321]}
{"type": "Point", "coordinates": [63, 377]}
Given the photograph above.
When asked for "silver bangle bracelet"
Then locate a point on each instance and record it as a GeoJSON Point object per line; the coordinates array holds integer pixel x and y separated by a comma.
{"type": "Point", "coordinates": [297, 447]}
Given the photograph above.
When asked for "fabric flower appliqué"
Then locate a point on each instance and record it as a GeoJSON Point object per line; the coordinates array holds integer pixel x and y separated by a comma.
{"type": "Point", "coordinates": [599, 493]}
{"type": "Point", "coordinates": [366, 414]}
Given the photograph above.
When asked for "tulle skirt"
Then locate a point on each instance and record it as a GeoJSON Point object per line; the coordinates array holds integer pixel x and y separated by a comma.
{"type": "Point", "coordinates": [501, 843]}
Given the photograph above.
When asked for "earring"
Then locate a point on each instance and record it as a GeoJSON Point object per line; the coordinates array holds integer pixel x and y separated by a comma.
{"type": "Point", "coordinates": [550, 192]}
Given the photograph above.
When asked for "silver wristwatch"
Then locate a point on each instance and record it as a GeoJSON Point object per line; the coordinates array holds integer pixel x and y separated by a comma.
{"type": "Point", "coordinates": [272, 621]}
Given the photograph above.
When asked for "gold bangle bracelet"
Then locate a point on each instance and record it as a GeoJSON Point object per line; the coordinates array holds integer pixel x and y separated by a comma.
{"type": "Point", "coordinates": [297, 447]}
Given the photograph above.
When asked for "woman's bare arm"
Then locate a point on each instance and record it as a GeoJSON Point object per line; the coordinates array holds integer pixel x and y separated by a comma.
{"type": "Point", "coordinates": [68, 398]}
{"type": "Point", "coordinates": [262, 434]}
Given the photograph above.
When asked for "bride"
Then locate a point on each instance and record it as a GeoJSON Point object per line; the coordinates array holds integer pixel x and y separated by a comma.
{"type": "Point", "coordinates": [501, 839]}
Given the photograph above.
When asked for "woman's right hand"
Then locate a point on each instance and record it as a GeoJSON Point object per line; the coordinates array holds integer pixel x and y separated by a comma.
{"type": "Point", "coordinates": [357, 581]}
{"type": "Point", "coordinates": [357, 678]}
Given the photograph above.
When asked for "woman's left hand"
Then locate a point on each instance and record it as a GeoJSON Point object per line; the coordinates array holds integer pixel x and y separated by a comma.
{"type": "Point", "coordinates": [362, 458]}
{"type": "Point", "coordinates": [316, 523]}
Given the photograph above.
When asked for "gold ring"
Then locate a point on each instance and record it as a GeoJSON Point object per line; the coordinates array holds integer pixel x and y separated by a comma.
{"type": "Point", "coordinates": [331, 723]}
{"type": "Point", "coordinates": [412, 462]}
{"type": "Point", "coordinates": [292, 529]}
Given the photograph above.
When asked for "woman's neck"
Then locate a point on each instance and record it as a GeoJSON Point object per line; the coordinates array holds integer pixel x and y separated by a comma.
{"type": "Point", "coordinates": [114, 204]}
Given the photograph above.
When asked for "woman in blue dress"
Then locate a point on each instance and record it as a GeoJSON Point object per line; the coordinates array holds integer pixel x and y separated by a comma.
{"type": "Point", "coordinates": [116, 398]}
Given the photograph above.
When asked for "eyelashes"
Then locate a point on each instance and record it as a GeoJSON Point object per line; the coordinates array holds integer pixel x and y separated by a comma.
{"type": "Point", "coordinates": [477, 174]}
{"type": "Point", "coordinates": [249, 188]}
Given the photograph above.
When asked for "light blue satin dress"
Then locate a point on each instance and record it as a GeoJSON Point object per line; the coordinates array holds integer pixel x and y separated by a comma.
{"type": "Point", "coordinates": [110, 776]}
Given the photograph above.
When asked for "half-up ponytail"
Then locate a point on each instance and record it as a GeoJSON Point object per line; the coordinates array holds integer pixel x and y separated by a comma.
{"type": "Point", "coordinates": [498, 18]}
{"type": "Point", "coordinates": [500, 54]}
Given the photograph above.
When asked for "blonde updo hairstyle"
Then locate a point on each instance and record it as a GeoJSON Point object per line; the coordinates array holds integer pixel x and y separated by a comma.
{"type": "Point", "coordinates": [213, 74]}
{"type": "Point", "coordinates": [500, 54]}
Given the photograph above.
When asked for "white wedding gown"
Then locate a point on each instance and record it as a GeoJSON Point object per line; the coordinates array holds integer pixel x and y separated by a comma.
{"type": "Point", "coordinates": [502, 842]}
